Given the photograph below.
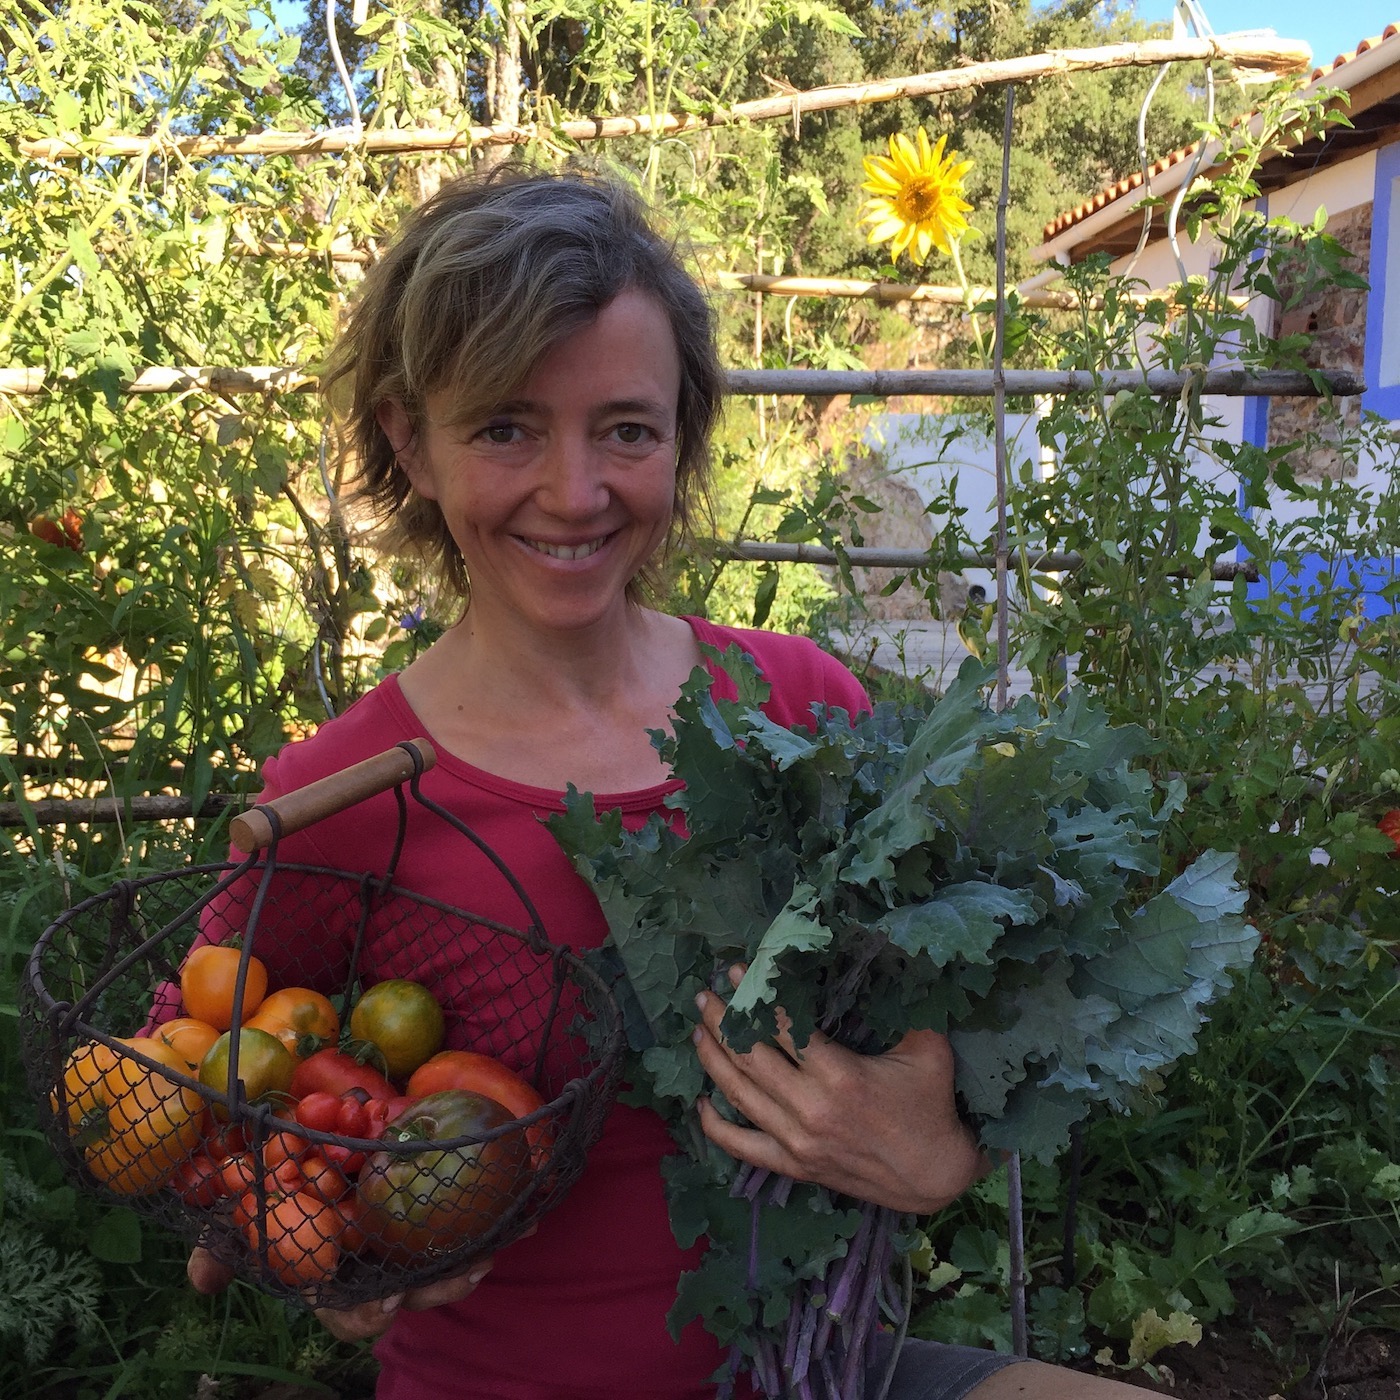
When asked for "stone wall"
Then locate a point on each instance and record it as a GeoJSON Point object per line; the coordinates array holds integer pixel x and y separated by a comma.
{"type": "Point", "coordinates": [1336, 319]}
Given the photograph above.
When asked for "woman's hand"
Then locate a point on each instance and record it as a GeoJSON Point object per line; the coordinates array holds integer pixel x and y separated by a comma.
{"type": "Point", "coordinates": [364, 1321]}
{"type": "Point", "coordinates": [881, 1128]}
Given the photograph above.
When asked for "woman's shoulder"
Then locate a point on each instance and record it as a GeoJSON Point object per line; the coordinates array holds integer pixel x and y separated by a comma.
{"type": "Point", "coordinates": [378, 720]}
{"type": "Point", "coordinates": [798, 670]}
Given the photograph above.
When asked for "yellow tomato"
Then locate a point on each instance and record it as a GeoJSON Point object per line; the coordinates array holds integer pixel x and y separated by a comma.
{"type": "Point", "coordinates": [140, 1123]}
{"type": "Point", "coordinates": [189, 1038]}
{"type": "Point", "coordinates": [301, 1019]}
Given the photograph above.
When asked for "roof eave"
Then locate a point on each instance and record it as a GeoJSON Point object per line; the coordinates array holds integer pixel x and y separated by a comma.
{"type": "Point", "coordinates": [1062, 246]}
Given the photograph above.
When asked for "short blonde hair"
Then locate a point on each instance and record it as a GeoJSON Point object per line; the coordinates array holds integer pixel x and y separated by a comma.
{"type": "Point", "coordinates": [483, 279]}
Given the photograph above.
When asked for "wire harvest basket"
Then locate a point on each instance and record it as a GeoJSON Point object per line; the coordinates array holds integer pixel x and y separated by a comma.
{"type": "Point", "coordinates": [377, 1197]}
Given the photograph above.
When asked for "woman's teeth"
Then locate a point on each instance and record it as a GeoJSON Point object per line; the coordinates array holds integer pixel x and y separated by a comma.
{"type": "Point", "coordinates": [567, 551]}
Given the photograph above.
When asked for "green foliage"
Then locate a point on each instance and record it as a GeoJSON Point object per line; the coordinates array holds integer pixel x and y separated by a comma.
{"type": "Point", "coordinates": [977, 873]}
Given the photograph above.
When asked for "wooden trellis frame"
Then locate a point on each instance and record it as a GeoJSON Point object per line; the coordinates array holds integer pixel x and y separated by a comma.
{"type": "Point", "coordinates": [1280, 56]}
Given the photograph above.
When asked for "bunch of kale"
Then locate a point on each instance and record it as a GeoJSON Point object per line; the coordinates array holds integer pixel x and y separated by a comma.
{"type": "Point", "coordinates": [979, 873]}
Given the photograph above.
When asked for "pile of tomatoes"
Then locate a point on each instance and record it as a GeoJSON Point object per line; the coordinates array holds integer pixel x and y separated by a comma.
{"type": "Point", "coordinates": [340, 1156]}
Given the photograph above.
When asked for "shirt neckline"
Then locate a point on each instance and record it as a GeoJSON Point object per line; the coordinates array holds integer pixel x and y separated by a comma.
{"type": "Point", "coordinates": [524, 792]}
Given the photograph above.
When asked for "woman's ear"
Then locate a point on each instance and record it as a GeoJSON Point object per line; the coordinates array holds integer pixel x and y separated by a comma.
{"type": "Point", "coordinates": [396, 425]}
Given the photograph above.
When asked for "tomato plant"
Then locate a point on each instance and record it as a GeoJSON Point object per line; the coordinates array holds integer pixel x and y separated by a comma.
{"type": "Point", "coordinates": [301, 1019]}
{"type": "Point", "coordinates": [403, 1020]}
{"type": "Point", "coordinates": [265, 1066]}
{"type": "Point", "coordinates": [209, 978]}
{"type": "Point", "coordinates": [435, 1199]}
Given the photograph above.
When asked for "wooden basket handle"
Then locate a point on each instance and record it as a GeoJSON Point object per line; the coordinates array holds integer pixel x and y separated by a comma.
{"type": "Point", "coordinates": [253, 830]}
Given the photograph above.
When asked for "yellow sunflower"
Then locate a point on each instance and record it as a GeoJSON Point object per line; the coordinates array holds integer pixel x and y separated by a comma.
{"type": "Point", "coordinates": [917, 193]}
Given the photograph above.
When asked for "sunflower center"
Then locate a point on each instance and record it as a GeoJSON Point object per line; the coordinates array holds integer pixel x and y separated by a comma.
{"type": "Point", "coordinates": [919, 199]}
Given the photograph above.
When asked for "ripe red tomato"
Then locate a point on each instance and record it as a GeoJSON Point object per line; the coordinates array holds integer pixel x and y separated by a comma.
{"type": "Point", "coordinates": [403, 1019]}
{"type": "Point", "coordinates": [66, 531]}
{"type": "Point", "coordinates": [337, 1072]}
{"type": "Point", "coordinates": [208, 979]}
{"type": "Point", "coordinates": [480, 1074]}
{"type": "Point", "coordinates": [437, 1199]}
{"type": "Point", "coordinates": [477, 1074]}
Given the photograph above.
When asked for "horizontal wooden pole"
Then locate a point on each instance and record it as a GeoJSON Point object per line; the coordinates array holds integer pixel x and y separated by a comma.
{"type": "Point", "coordinates": [811, 383]}
{"type": "Point", "coordinates": [1025, 383]}
{"type": "Point", "coordinates": [1265, 55]}
{"type": "Point", "coordinates": [84, 811]}
{"type": "Point", "coordinates": [1038, 297]}
{"type": "Point", "coordinates": [873, 557]}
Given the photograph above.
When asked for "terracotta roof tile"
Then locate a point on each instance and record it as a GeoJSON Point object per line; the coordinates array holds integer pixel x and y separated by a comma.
{"type": "Point", "coordinates": [1070, 217]}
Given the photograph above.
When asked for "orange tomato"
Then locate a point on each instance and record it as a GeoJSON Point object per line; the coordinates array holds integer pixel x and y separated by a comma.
{"type": "Point", "coordinates": [302, 1242]}
{"type": "Point", "coordinates": [142, 1125]}
{"type": "Point", "coordinates": [208, 979]}
{"type": "Point", "coordinates": [189, 1038]}
{"type": "Point", "coordinates": [301, 1019]}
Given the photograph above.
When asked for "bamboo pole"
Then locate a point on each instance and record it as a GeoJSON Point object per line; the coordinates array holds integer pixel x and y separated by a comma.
{"type": "Point", "coordinates": [1254, 53]}
{"type": "Point", "coordinates": [57, 811]}
{"type": "Point", "coordinates": [1039, 297]}
{"type": "Point", "coordinates": [874, 557]}
{"type": "Point", "coordinates": [811, 383]}
{"type": "Point", "coordinates": [977, 383]}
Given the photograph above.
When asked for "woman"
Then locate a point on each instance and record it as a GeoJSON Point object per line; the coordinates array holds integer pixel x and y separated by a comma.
{"type": "Point", "coordinates": [532, 382]}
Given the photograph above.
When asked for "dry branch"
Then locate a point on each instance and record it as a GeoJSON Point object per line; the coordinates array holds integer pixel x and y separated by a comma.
{"type": "Point", "coordinates": [83, 811]}
{"type": "Point", "coordinates": [810, 383]}
{"type": "Point", "coordinates": [873, 557]}
{"type": "Point", "coordinates": [1278, 56]}
{"type": "Point", "coordinates": [1040, 297]}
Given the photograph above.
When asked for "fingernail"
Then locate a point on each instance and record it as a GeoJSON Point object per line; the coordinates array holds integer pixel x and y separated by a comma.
{"type": "Point", "coordinates": [478, 1273]}
{"type": "Point", "coordinates": [697, 1035]}
{"type": "Point", "coordinates": [736, 973]}
{"type": "Point", "coordinates": [702, 1000]}
{"type": "Point", "coordinates": [391, 1303]}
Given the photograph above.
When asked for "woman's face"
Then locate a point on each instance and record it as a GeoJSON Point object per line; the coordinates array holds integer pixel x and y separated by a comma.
{"type": "Point", "coordinates": [560, 495]}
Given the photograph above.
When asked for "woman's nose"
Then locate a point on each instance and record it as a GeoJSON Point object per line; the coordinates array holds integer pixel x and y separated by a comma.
{"type": "Point", "coordinates": [573, 484]}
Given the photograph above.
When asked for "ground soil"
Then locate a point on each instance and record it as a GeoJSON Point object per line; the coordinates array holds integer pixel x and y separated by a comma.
{"type": "Point", "coordinates": [1260, 1354]}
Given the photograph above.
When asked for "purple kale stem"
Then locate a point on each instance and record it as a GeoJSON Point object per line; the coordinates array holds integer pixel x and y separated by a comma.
{"type": "Point", "coordinates": [794, 1328]}
{"type": "Point", "coordinates": [740, 1185]}
{"type": "Point", "coordinates": [753, 1244]}
{"type": "Point", "coordinates": [828, 1371]}
{"type": "Point", "coordinates": [848, 1270]}
{"type": "Point", "coordinates": [782, 1189]}
{"type": "Point", "coordinates": [802, 1359]}
{"type": "Point", "coordinates": [863, 1322]}
{"type": "Point", "coordinates": [725, 1389]}
{"type": "Point", "coordinates": [804, 1389]}
{"type": "Point", "coordinates": [766, 1366]}
{"type": "Point", "coordinates": [757, 1176]}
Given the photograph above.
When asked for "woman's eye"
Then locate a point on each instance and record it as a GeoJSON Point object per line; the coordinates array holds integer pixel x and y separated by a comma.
{"type": "Point", "coordinates": [630, 432]}
{"type": "Point", "coordinates": [499, 432]}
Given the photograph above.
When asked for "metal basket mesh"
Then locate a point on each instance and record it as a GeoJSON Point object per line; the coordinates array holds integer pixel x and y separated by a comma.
{"type": "Point", "coordinates": [110, 966]}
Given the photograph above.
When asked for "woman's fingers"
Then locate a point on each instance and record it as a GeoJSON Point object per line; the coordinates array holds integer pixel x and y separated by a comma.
{"type": "Point", "coordinates": [883, 1128]}
{"type": "Point", "coordinates": [367, 1320]}
{"type": "Point", "coordinates": [205, 1272]}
